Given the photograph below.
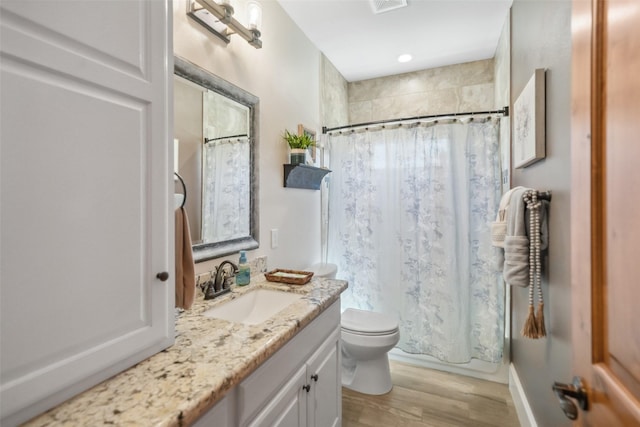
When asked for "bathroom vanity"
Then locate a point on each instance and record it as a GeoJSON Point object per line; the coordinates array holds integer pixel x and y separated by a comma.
{"type": "Point", "coordinates": [283, 371]}
{"type": "Point", "coordinates": [298, 386]}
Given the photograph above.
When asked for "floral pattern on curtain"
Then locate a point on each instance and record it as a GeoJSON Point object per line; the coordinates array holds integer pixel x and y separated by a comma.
{"type": "Point", "coordinates": [226, 190]}
{"type": "Point", "coordinates": [410, 209]}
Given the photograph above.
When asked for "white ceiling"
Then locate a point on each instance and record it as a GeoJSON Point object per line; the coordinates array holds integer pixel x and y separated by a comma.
{"type": "Point", "coordinates": [364, 45]}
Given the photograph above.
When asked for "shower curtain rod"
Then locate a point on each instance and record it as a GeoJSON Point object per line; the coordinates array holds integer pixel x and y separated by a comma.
{"type": "Point", "coordinates": [208, 140]}
{"type": "Point", "coordinates": [504, 111]}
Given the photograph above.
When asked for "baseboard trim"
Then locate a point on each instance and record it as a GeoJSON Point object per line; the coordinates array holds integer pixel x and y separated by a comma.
{"type": "Point", "coordinates": [525, 414]}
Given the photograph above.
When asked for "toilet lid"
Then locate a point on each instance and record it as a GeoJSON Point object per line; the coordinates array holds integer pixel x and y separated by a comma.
{"type": "Point", "coordinates": [367, 322]}
{"type": "Point", "coordinates": [323, 270]}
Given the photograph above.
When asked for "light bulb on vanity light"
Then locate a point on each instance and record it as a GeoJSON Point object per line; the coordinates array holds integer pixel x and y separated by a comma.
{"type": "Point", "coordinates": [254, 15]}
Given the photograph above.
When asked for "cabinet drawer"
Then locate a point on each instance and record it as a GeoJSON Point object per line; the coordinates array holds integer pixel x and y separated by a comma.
{"type": "Point", "coordinates": [255, 391]}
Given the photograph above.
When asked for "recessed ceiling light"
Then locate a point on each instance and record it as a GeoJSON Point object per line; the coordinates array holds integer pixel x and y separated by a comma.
{"type": "Point", "coordinates": [380, 6]}
{"type": "Point", "coordinates": [405, 58]}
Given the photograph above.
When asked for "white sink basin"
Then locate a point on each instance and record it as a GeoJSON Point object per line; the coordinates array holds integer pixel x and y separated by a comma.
{"type": "Point", "coordinates": [253, 307]}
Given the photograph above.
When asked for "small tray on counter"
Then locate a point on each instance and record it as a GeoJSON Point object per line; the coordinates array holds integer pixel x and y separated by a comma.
{"type": "Point", "coordinates": [292, 277]}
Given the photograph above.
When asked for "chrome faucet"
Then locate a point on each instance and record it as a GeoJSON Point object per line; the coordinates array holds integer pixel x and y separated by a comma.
{"type": "Point", "coordinates": [222, 282]}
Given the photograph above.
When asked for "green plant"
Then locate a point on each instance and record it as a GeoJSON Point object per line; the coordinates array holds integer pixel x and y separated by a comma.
{"type": "Point", "coordinates": [298, 141]}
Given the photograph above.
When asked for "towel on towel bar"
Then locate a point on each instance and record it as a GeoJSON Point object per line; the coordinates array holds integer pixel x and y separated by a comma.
{"type": "Point", "coordinates": [185, 268]}
{"type": "Point", "coordinates": [499, 227]}
{"type": "Point", "coordinates": [516, 260]}
{"type": "Point", "coordinates": [516, 242]}
{"type": "Point", "coordinates": [521, 229]}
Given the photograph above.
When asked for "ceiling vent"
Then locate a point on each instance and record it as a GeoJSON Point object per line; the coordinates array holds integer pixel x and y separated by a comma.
{"type": "Point", "coordinates": [381, 6]}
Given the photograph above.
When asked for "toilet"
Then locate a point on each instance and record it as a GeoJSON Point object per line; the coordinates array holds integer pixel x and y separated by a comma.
{"type": "Point", "coordinates": [366, 338]}
{"type": "Point", "coordinates": [324, 270]}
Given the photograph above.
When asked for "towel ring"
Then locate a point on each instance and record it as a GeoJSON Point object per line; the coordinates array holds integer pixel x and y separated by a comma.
{"type": "Point", "coordinates": [184, 188]}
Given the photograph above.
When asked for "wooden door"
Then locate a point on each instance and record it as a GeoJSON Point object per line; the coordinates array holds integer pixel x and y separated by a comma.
{"type": "Point", "coordinates": [605, 208]}
{"type": "Point", "coordinates": [85, 212]}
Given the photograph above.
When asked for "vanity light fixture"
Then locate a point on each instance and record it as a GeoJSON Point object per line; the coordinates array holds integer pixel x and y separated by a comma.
{"type": "Point", "coordinates": [218, 19]}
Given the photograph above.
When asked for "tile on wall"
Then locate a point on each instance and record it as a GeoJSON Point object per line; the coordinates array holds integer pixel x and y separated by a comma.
{"type": "Point", "coordinates": [477, 97]}
{"type": "Point", "coordinates": [455, 88]}
{"type": "Point", "coordinates": [360, 112]}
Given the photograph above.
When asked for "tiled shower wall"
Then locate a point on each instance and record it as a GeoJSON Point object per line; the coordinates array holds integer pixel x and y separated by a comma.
{"type": "Point", "coordinates": [502, 81]}
{"type": "Point", "coordinates": [456, 88]}
{"type": "Point", "coordinates": [334, 107]}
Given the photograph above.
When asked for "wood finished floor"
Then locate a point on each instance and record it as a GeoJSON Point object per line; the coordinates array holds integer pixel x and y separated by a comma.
{"type": "Point", "coordinates": [422, 397]}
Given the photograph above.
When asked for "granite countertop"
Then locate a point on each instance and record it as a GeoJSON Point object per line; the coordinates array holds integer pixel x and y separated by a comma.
{"type": "Point", "coordinates": [209, 357]}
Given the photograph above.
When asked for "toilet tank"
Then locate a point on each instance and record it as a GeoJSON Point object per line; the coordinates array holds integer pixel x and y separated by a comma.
{"type": "Point", "coordinates": [324, 270]}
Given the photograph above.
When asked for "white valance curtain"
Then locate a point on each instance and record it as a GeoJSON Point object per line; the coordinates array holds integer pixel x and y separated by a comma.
{"type": "Point", "coordinates": [226, 190]}
{"type": "Point", "coordinates": [410, 209]}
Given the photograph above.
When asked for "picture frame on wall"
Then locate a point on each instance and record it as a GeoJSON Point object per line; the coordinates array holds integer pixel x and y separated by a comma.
{"type": "Point", "coordinates": [311, 151]}
{"type": "Point", "coordinates": [529, 122]}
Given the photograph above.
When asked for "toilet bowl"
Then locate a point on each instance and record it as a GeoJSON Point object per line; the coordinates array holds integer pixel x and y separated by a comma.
{"type": "Point", "coordinates": [367, 337]}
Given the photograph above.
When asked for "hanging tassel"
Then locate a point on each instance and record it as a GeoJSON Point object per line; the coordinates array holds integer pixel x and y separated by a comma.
{"type": "Point", "coordinates": [542, 331]}
{"type": "Point", "coordinates": [530, 328]}
{"type": "Point", "coordinates": [534, 325]}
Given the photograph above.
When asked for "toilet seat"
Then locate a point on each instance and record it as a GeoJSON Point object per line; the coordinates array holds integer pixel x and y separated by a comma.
{"type": "Point", "coordinates": [367, 323]}
{"type": "Point", "coordinates": [370, 334]}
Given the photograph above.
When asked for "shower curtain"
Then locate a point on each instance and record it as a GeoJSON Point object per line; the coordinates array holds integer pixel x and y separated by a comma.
{"type": "Point", "coordinates": [226, 190]}
{"type": "Point", "coordinates": [410, 209]}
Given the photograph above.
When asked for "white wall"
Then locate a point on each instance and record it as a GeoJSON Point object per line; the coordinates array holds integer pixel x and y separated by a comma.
{"type": "Point", "coordinates": [284, 74]}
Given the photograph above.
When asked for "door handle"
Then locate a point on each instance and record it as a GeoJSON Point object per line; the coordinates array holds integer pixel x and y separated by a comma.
{"type": "Point", "coordinates": [575, 390]}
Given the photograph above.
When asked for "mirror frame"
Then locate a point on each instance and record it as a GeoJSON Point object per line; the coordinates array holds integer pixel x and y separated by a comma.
{"type": "Point", "coordinates": [192, 72]}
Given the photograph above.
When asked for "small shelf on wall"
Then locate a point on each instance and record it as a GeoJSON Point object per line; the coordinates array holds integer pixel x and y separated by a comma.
{"type": "Point", "coordinates": [303, 176]}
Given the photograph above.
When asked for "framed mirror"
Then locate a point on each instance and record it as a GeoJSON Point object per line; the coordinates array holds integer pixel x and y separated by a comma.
{"type": "Point", "coordinates": [215, 154]}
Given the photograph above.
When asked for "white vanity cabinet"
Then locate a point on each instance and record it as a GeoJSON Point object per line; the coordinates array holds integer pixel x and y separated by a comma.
{"type": "Point", "coordinates": [313, 396]}
{"type": "Point", "coordinates": [300, 385]}
{"type": "Point", "coordinates": [86, 219]}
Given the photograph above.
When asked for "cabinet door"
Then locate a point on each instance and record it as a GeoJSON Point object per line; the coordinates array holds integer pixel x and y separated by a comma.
{"type": "Point", "coordinates": [289, 407]}
{"type": "Point", "coordinates": [324, 375]}
{"type": "Point", "coordinates": [221, 415]}
{"type": "Point", "coordinates": [85, 213]}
